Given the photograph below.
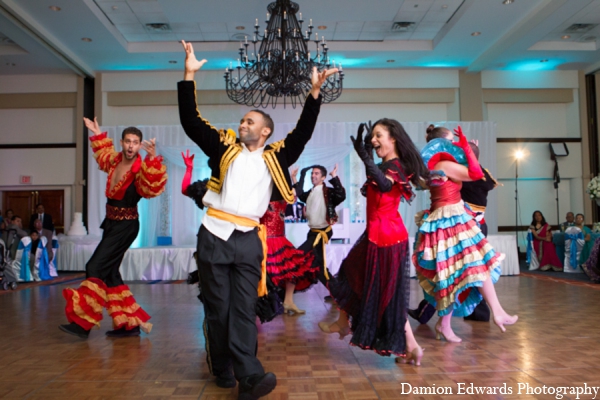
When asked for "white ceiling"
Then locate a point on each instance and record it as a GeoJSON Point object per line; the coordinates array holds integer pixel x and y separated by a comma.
{"type": "Point", "coordinates": [517, 36]}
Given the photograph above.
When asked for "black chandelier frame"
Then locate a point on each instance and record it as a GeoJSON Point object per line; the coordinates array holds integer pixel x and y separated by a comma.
{"type": "Point", "coordinates": [281, 66]}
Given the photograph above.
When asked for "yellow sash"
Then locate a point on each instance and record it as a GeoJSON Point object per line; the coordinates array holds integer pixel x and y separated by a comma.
{"type": "Point", "coordinates": [262, 235]}
{"type": "Point", "coordinates": [322, 235]}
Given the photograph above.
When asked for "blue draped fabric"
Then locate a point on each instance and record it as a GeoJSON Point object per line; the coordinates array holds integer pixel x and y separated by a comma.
{"type": "Point", "coordinates": [573, 248]}
{"type": "Point", "coordinates": [529, 246]}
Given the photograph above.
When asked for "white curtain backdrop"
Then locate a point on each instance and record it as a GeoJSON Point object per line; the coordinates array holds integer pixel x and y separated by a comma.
{"type": "Point", "coordinates": [175, 215]}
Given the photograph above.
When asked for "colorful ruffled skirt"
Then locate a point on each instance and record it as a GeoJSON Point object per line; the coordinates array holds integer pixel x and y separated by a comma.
{"type": "Point", "coordinates": [372, 286]}
{"type": "Point", "coordinates": [452, 258]}
{"type": "Point", "coordinates": [285, 263]}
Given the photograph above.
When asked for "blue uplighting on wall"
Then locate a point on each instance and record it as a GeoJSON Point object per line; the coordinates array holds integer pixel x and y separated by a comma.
{"type": "Point", "coordinates": [534, 65]}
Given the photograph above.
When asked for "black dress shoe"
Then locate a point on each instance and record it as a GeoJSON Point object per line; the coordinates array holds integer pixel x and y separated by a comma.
{"type": "Point", "coordinates": [226, 380]}
{"type": "Point", "coordinates": [122, 332]}
{"type": "Point", "coordinates": [74, 329]}
{"type": "Point", "coordinates": [256, 386]}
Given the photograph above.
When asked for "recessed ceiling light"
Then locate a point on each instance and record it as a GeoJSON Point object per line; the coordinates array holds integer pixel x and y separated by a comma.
{"type": "Point", "coordinates": [172, 62]}
{"type": "Point", "coordinates": [54, 8]}
{"type": "Point", "coordinates": [508, 1]}
{"type": "Point", "coordinates": [475, 33]}
{"type": "Point", "coordinates": [322, 27]}
{"type": "Point", "coordinates": [566, 37]}
{"type": "Point", "coordinates": [115, 7]}
{"type": "Point", "coordinates": [444, 6]}
{"type": "Point", "coordinates": [240, 28]}
{"type": "Point", "coordinates": [86, 39]}
{"type": "Point", "coordinates": [416, 5]}
{"type": "Point", "coordinates": [544, 60]}
{"type": "Point", "coordinates": [391, 60]}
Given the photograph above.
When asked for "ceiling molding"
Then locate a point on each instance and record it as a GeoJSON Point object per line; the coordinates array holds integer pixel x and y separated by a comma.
{"type": "Point", "coordinates": [536, 16]}
{"type": "Point", "coordinates": [13, 12]}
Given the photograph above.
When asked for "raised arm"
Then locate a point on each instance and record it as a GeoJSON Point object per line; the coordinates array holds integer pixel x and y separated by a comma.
{"type": "Point", "coordinates": [384, 182]}
{"type": "Point", "coordinates": [189, 166]}
{"type": "Point", "coordinates": [338, 192]}
{"type": "Point", "coordinates": [299, 186]}
{"type": "Point", "coordinates": [104, 150]}
{"type": "Point", "coordinates": [152, 178]}
{"type": "Point", "coordinates": [206, 136]}
{"type": "Point", "coordinates": [296, 140]}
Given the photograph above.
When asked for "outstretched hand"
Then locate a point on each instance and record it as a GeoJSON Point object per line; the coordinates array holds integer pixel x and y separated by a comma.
{"type": "Point", "coordinates": [191, 63]}
{"type": "Point", "coordinates": [358, 142]}
{"type": "Point", "coordinates": [294, 171]}
{"type": "Point", "coordinates": [318, 79]}
{"type": "Point", "coordinates": [150, 147]}
{"type": "Point", "coordinates": [92, 125]}
{"type": "Point", "coordinates": [333, 172]}
{"type": "Point", "coordinates": [187, 159]}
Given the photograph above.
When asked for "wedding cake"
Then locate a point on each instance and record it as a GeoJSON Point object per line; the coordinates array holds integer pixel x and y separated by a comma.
{"type": "Point", "coordinates": [77, 227]}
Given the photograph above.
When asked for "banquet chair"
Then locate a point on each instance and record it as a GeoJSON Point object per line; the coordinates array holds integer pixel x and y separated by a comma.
{"type": "Point", "coordinates": [574, 242]}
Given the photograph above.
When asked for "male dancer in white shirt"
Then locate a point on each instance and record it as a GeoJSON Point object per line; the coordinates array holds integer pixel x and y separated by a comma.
{"type": "Point", "coordinates": [245, 176]}
{"type": "Point", "coordinates": [321, 202]}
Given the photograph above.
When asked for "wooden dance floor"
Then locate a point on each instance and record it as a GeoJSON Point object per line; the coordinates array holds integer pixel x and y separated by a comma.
{"type": "Point", "coordinates": [555, 343]}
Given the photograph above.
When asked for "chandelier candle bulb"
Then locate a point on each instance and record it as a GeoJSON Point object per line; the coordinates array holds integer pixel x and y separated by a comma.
{"type": "Point", "coordinates": [297, 58]}
{"type": "Point", "coordinates": [246, 39]}
{"type": "Point", "coordinates": [256, 24]}
{"type": "Point", "coordinates": [284, 15]}
{"type": "Point", "coordinates": [310, 23]}
{"type": "Point", "coordinates": [300, 16]}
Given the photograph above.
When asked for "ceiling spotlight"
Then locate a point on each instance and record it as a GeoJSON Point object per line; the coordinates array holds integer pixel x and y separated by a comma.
{"type": "Point", "coordinates": [390, 61]}
{"type": "Point", "coordinates": [508, 1]}
{"type": "Point", "coordinates": [475, 33]}
{"type": "Point", "coordinates": [565, 37]}
{"type": "Point", "coordinates": [240, 28]}
{"type": "Point", "coordinates": [172, 62]}
{"type": "Point", "coordinates": [544, 60]}
{"type": "Point", "coordinates": [322, 27]}
{"type": "Point", "coordinates": [54, 8]}
{"type": "Point", "coordinates": [86, 39]}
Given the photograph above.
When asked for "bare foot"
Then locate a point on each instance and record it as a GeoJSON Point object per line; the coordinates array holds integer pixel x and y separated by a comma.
{"type": "Point", "coordinates": [505, 319]}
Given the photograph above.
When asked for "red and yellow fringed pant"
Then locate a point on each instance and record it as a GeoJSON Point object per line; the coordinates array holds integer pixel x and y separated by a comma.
{"type": "Point", "coordinates": [85, 304]}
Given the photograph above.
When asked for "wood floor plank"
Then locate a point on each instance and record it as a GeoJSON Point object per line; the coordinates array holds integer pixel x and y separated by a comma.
{"type": "Point", "coordinates": [554, 343]}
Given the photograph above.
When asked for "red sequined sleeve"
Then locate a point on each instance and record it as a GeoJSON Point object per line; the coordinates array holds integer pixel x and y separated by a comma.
{"type": "Point", "coordinates": [151, 178]}
{"type": "Point", "coordinates": [104, 151]}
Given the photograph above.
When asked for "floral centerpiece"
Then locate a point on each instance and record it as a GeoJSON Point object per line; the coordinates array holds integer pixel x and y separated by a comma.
{"type": "Point", "coordinates": [593, 188]}
{"type": "Point", "coordinates": [596, 227]}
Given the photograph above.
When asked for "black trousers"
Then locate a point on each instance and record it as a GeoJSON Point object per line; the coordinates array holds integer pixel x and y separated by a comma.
{"type": "Point", "coordinates": [308, 244]}
{"type": "Point", "coordinates": [104, 264]}
{"type": "Point", "coordinates": [229, 275]}
{"type": "Point", "coordinates": [482, 311]}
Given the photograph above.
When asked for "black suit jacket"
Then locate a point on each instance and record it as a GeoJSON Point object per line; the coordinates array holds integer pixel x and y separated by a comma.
{"type": "Point", "coordinates": [222, 148]}
{"type": "Point", "coordinates": [46, 223]}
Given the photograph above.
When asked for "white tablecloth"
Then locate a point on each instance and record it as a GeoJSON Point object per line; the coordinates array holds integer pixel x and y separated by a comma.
{"type": "Point", "coordinates": [146, 263]}
{"type": "Point", "coordinates": [174, 263]}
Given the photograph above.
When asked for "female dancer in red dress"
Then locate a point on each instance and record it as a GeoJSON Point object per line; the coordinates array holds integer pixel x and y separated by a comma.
{"type": "Point", "coordinates": [288, 268]}
{"type": "Point", "coordinates": [372, 286]}
{"type": "Point", "coordinates": [452, 257]}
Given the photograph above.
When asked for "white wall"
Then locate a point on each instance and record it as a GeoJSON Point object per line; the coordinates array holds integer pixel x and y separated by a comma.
{"type": "Point", "coordinates": [536, 120]}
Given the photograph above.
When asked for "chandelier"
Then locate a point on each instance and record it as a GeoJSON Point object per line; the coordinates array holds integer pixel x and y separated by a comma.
{"type": "Point", "coordinates": [281, 65]}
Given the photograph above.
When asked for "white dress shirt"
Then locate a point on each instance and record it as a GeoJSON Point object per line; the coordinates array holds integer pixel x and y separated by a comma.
{"type": "Point", "coordinates": [316, 210]}
{"type": "Point", "coordinates": [246, 192]}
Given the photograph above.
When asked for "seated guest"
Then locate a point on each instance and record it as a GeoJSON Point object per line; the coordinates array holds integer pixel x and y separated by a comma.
{"type": "Point", "coordinates": [540, 249]}
{"type": "Point", "coordinates": [46, 218]}
{"type": "Point", "coordinates": [13, 234]}
{"type": "Point", "coordinates": [31, 262]}
{"type": "Point", "coordinates": [587, 237]}
{"type": "Point", "coordinates": [51, 246]}
{"type": "Point", "coordinates": [569, 222]}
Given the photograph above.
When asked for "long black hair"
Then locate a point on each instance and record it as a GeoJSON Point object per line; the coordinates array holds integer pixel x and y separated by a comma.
{"type": "Point", "coordinates": [409, 156]}
{"type": "Point", "coordinates": [533, 221]}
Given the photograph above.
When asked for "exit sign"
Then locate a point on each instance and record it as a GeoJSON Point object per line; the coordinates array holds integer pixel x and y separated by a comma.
{"type": "Point", "coordinates": [25, 180]}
